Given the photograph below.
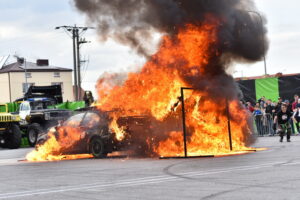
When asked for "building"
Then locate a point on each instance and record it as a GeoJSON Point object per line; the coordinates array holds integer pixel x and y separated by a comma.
{"type": "Point", "coordinates": [270, 86]}
{"type": "Point", "coordinates": [13, 79]}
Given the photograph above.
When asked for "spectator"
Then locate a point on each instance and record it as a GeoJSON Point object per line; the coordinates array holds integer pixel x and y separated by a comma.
{"type": "Point", "coordinates": [274, 105]}
{"type": "Point", "coordinates": [289, 106]}
{"type": "Point", "coordinates": [278, 107]}
{"type": "Point", "coordinates": [294, 104]}
{"type": "Point", "coordinates": [290, 109]}
{"type": "Point", "coordinates": [257, 104]}
{"type": "Point", "coordinates": [258, 120]}
{"type": "Point", "coordinates": [268, 107]}
{"type": "Point", "coordinates": [274, 112]}
{"type": "Point", "coordinates": [296, 117]}
{"type": "Point", "coordinates": [268, 117]}
{"type": "Point", "coordinates": [257, 111]}
{"type": "Point", "coordinates": [262, 102]}
{"type": "Point", "coordinates": [88, 98]}
{"type": "Point", "coordinates": [250, 107]}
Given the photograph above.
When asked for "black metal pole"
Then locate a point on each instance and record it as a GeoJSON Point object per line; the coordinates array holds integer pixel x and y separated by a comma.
{"type": "Point", "coordinates": [78, 66]}
{"type": "Point", "coordinates": [183, 122]}
{"type": "Point", "coordinates": [74, 34]}
{"type": "Point", "coordinates": [229, 125]}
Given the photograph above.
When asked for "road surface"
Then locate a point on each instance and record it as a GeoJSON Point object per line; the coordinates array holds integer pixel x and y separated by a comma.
{"type": "Point", "coordinates": [271, 174]}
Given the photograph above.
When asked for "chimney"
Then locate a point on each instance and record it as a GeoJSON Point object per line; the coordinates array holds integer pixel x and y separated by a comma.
{"type": "Point", "coordinates": [20, 60]}
{"type": "Point", "coordinates": [42, 62]}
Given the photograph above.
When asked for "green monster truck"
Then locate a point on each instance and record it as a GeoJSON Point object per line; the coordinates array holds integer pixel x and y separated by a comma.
{"type": "Point", "coordinates": [10, 133]}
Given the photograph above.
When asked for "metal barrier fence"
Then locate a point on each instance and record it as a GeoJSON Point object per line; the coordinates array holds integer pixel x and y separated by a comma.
{"type": "Point", "coordinates": [264, 125]}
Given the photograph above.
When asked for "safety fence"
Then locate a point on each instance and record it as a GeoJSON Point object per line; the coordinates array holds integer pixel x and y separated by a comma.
{"type": "Point", "coordinates": [264, 125]}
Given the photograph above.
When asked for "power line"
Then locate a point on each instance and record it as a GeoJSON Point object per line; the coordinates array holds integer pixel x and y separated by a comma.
{"type": "Point", "coordinates": [76, 33]}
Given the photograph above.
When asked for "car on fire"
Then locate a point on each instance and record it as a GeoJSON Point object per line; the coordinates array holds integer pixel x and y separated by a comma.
{"type": "Point", "coordinates": [93, 135]}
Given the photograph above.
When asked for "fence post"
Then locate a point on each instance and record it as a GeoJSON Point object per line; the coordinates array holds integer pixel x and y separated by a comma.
{"type": "Point", "coordinates": [228, 124]}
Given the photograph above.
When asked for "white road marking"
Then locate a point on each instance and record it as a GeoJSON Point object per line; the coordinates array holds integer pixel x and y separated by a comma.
{"type": "Point", "coordinates": [129, 183]}
{"type": "Point", "coordinates": [4, 162]}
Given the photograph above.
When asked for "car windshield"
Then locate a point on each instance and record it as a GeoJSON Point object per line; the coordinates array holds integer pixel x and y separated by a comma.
{"type": "Point", "coordinates": [39, 105]}
{"type": "Point", "coordinates": [89, 119]}
{"type": "Point", "coordinates": [25, 106]}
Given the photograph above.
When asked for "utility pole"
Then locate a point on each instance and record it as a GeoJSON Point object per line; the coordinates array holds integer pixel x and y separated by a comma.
{"type": "Point", "coordinates": [81, 41]}
{"type": "Point", "coordinates": [76, 31]}
{"type": "Point", "coordinates": [75, 63]}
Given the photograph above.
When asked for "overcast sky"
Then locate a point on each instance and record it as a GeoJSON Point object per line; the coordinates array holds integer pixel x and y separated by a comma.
{"type": "Point", "coordinates": [27, 29]}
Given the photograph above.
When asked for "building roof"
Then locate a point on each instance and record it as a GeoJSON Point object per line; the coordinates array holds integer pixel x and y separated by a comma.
{"type": "Point", "coordinates": [31, 67]}
{"type": "Point", "coordinates": [265, 76]}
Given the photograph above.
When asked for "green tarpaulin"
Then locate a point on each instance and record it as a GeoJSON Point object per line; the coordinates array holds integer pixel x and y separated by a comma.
{"type": "Point", "coordinates": [3, 108]}
{"type": "Point", "coordinates": [267, 87]}
{"type": "Point", "coordinates": [70, 105]}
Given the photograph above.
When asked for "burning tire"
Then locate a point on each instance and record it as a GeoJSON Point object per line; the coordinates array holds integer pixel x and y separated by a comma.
{"type": "Point", "coordinates": [33, 132]}
{"type": "Point", "coordinates": [97, 148]}
{"type": "Point", "coordinates": [13, 138]}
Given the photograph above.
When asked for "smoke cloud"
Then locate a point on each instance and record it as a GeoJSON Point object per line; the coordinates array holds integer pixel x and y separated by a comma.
{"type": "Point", "coordinates": [133, 22]}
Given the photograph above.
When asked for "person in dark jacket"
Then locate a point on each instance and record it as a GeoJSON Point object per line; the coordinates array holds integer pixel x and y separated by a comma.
{"type": "Point", "coordinates": [269, 116]}
{"type": "Point", "coordinates": [88, 98]}
{"type": "Point", "coordinates": [283, 119]}
{"type": "Point", "coordinates": [278, 106]}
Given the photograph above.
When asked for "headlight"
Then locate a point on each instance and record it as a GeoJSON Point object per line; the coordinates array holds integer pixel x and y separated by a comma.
{"type": "Point", "coordinates": [14, 118]}
{"type": "Point", "coordinates": [52, 130]}
{"type": "Point", "coordinates": [27, 118]}
{"type": "Point", "coordinates": [47, 116]}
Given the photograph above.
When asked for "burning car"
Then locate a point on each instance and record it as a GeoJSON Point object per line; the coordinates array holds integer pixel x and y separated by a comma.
{"type": "Point", "coordinates": [92, 132]}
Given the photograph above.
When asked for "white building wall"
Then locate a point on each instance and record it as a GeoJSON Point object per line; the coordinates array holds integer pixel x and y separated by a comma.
{"type": "Point", "coordinates": [4, 88]}
{"type": "Point", "coordinates": [42, 79]}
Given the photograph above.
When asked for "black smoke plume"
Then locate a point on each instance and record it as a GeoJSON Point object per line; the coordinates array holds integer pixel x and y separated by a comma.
{"type": "Point", "coordinates": [133, 22]}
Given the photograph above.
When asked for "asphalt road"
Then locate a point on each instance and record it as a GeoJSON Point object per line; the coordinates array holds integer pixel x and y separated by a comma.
{"type": "Point", "coordinates": [271, 174]}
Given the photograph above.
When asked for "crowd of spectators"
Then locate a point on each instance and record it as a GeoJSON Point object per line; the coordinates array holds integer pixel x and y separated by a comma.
{"type": "Point", "coordinates": [265, 110]}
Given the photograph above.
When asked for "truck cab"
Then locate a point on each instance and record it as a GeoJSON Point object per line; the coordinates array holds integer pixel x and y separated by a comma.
{"type": "Point", "coordinates": [37, 117]}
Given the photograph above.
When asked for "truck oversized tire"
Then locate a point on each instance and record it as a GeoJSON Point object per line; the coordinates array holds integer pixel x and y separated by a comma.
{"type": "Point", "coordinates": [33, 132]}
{"type": "Point", "coordinates": [97, 148]}
{"type": "Point", "coordinates": [13, 137]}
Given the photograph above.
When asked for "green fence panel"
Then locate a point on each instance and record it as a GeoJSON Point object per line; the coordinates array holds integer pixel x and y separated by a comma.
{"type": "Point", "coordinates": [267, 87]}
{"type": "Point", "coordinates": [2, 108]}
{"type": "Point", "coordinates": [69, 105]}
{"type": "Point", "coordinates": [59, 106]}
{"type": "Point", "coordinates": [76, 105]}
{"type": "Point", "coordinates": [13, 107]}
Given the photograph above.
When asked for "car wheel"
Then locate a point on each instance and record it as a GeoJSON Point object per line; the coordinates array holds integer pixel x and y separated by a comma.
{"type": "Point", "coordinates": [97, 148]}
{"type": "Point", "coordinates": [13, 137]}
{"type": "Point", "coordinates": [33, 132]}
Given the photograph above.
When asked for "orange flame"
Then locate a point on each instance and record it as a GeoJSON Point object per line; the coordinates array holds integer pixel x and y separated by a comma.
{"type": "Point", "coordinates": [155, 90]}
{"type": "Point", "coordinates": [120, 133]}
{"type": "Point", "coordinates": [52, 148]}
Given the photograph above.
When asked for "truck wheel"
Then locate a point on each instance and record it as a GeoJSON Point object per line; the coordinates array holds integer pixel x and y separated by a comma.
{"type": "Point", "coordinates": [32, 133]}
{"type": "Point", "coordinates": [13, 137]}
{"type": "Point", "coordinates": [97, 148]}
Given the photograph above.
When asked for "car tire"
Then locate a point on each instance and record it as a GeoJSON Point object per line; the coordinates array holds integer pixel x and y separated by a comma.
{"type": "Point", "coordinates": [97, 148]}
{"type": "Point", "coordinates": [33, 132]}
{"type": "Point", "coordinates": [13, 137]}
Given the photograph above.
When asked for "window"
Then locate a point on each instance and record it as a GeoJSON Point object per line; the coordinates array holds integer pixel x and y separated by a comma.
{"type": "Point", "coordinates": [61, 85]}
{"type": "Point", "coordinates": [28, 75]}
{"type": "Point", "coordinates": [25, 87]}
{"type": "Point", "coordinates": [56, 74]}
